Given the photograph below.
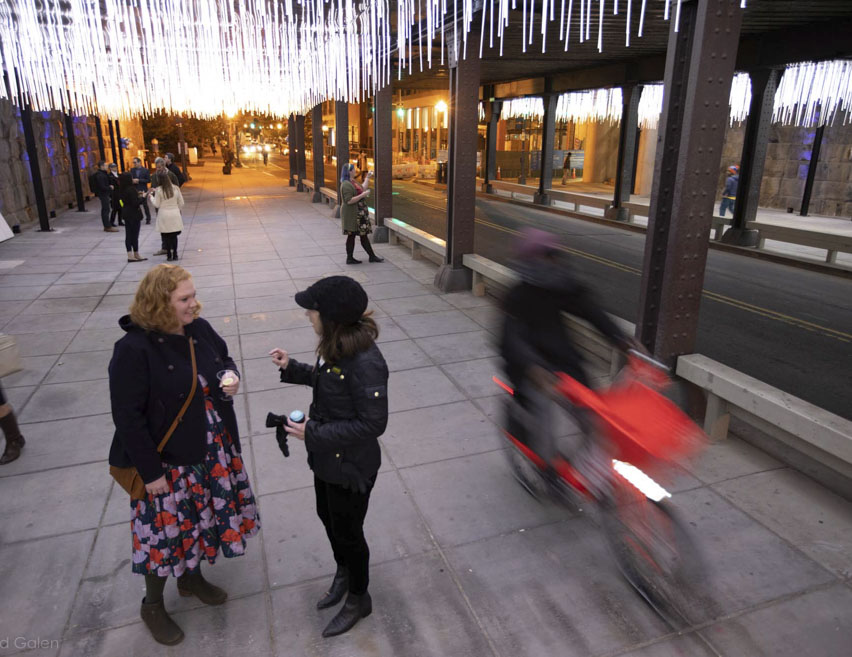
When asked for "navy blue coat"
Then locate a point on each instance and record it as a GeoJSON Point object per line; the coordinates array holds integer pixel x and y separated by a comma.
{"type": "Point", "coordinates": [150, 375]}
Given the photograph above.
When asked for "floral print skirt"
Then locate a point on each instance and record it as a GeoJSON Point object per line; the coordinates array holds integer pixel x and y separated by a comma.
{"type": "Point", "coordinates": [210, 508]}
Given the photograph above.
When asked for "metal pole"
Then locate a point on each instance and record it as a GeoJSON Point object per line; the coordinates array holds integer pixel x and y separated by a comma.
{"type": "Point", "coordinates": [383, 160]}
{"type": "Point", "coordinates": [493, 117]}
{"type": "Point", "coordinates": [319, 163]}
{"type": "Point", "coordinates": [75, 162]}
{"type": "Point", "coordinates": [812, 167]}
{"type": "Point", "coordinates": [548, 132]}
{"type": "Point", "coordinates": [112, 141]}
{"type": "Point", "coordinates": [35, 170]}
{"type": "Point", "coordinates": [120, 152]}
{"type": "Point", "coordinates": [341, 138]}
{"type": "Point", "coordinates": [291, 146]}
{"type": "Point", "coordinates": [301, 162]}
{"type": "Point", "coordinates": [182, 149]}
{"type": "Point", "coordinates": [100, 134]}
{"type": "Point", "coordinates": [626, 152]}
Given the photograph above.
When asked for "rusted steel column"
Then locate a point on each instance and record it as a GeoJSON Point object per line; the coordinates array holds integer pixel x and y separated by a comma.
{"type": "Point", "coordinates": [301, 164]}
{"type": "Point", "coordinates": [382, 159]}
{"type": "Point", "coordinates": [319, 153]}
{"type": "Point", "coordinates": [341, 142]}
{"type": "Point", "coordinates": [812, 167]}
{"type": "Point", "coordinates": [291, 146]}
{"type": "Point", "coordinates": [35, 168]}
{"type": "Point", "coordinates": [699, 69]}
{"type": "Point", "coordinates": [112, 141]}
{"type": "Point", "coordinates": [461, 180]}
{"type": "Point", "coordinates": [625, 167]}
{"type": "Point", "coordinates": [75, 161]}
{"type": "Point", "coordinates": [548, 132]}
{"type": "Point", "coordinates": [100, 135]}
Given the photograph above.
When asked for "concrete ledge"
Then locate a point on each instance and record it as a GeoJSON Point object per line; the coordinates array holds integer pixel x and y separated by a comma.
{"type": "Point", "coordinates": [417, 239]}
{"type": "Point", "coordinates": [487, 271]}
{"type": "Point", "coordinates": [831, 242]}
{"type": "Point", "coordinates": [329, 195]}
{"type": "Point", "coordinates": [821, 435]}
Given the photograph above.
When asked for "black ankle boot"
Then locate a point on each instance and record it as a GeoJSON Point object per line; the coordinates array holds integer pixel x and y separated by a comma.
{"type": "Point", "coordinates": [14, 440]}
{"type": "Point", "coordinates": [375, 258]}
{"type": "Point", "coordinates": [160, 624]}
{"type": "Point", "coordinates": [354, 609]}
{"type": "Point", "coordinates": [190, 584]}
{"type": "Point", "coordinates": [337, 590]}
{"type": "Point", "coordinates": [352, 261]}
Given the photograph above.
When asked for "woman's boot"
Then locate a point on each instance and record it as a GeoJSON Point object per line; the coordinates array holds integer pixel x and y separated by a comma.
{"type": "Point", "coordinates": [154, 614]}
{"type": "Point", "coordinates": [365, 243]}
{"type": "Point", "coordinates": [190, 584]}
{"type": "Point", "coordinates": [14, 440]}
{"type": "Point", "coordinates": [354, 609]}
{"type": "Point", "coordinates": [339, 586]}
{"type": "Point", "coordinates": [138, 257]}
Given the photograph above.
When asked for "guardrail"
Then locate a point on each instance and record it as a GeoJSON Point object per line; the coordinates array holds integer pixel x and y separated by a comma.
{"type": "Point", "coordinates": [420, 242]}
{"type": "Point", "coordinates": [831, 242]}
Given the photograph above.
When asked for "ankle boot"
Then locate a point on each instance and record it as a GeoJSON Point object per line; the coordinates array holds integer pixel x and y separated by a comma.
{"type": "Point", "coordinates": [375, 258]}
{"type": "Point", "coordinates": [138, 257]}
{"type": "Point", "coordinates": [354, 609]}
{"type": "Point", "coordinates": [352, 261]}
{"type": "Point", "coordinates": [190, 584]}
{"type": "Point", "coordinates": [160, 624]}
{"type": "Point", "coordinates": [14, 440]}
{"type": "Point", "coordinates": [337, 590]}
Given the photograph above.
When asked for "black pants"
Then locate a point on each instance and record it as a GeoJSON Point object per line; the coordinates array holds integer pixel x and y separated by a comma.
{"type": "Point", "coordinates": [143, 201]}
{"type": "Point", "coordinates": [106, 205]}
{"type": "Point", "coordinates": [365, 243]}
{"type": "Point", "coordinates": [342, 512]}
{"type": "Point", "coordinates": [170, 241]}
{"type": "Point", "coordinates": [116, 212]}
{"type": "Point", "coordinates": [131, 234]}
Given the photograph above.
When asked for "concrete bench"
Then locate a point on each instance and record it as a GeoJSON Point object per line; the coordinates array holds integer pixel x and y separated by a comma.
{"type": "Point", "coordinates": [419, 239]}
{"type": "Point", "coordinates": [329, 195]}
{"type": "Point", "coordinates": [487, 270]}
{"type": "Point", "coordinates": [308, 185]}
{"type": "Point", "coordinates": [808, 429]}
{"type": "Point", "coordinates": [718, 225]}
{"type": "Point", "coordinates": [832, 243]}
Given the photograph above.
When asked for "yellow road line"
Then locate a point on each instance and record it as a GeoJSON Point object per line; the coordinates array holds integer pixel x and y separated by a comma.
{"type": "Point", "coordinates": [713, 296]}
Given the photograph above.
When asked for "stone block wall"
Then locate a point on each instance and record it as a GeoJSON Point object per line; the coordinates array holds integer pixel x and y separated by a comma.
{"type": "Point", "coordinates": [788, 156]}
{"type": "Point", "coordinates": [17, 199]}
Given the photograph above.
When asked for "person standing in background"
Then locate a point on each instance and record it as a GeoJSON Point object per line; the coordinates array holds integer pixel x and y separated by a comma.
{"type": "Point", "coordinates": [729, 194]}
{"type": "Point", "coordinates": [141, 179]}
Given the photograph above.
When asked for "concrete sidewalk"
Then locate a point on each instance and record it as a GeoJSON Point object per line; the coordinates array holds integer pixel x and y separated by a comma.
{"type": "Point", "coordinates": [464, 562]}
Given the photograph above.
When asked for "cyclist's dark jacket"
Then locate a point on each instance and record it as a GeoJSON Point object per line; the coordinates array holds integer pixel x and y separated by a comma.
{"type": "Point", "coordinates": [348, 413]}
{"type": "Point", "coordinates": [534, 331]}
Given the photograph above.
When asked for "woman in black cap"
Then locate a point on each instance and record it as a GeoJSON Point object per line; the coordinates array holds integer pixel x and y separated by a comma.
{"type": "Point", "coordinates": [348, 413]}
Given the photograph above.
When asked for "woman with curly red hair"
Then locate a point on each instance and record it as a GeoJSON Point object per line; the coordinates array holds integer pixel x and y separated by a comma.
{"type": "Point", "coordinates": [171, 386]}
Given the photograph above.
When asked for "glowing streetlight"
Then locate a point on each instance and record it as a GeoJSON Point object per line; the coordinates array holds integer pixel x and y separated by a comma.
{"type": "Point", "coordinates": [400, 112]}
{"type": "Point", "coordinates": [441, 106]}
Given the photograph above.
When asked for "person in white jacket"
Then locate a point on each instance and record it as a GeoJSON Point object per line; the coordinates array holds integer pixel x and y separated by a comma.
{"type": "Point", "coordinates": [168, 200]}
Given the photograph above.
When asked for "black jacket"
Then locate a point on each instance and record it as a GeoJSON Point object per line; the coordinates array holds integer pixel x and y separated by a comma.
{"type": "Point", "coordinates": [150, 375]}
{"type": "Point", "coordinates": [175, 169]}
{"type": "Point", "coordinates": [534, 331]}
{"type": "Point", "coordinates": [130, 209]}
{"type": "Point", "coordinates": [348, 414]}
{"type": "Point", "coordinates": [99, 183]}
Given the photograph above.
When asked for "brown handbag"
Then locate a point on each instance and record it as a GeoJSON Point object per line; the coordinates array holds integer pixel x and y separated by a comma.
{"type": "Point", "coordinates": [128, 478]}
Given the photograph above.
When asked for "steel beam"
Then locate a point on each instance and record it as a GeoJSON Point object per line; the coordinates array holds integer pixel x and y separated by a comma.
{"type": "Point", "coordinates": [492, 118]}
{"type": "Point", "coordinates": [699, 70]}
{"type": "Point", "coordinates": [35, 169]}
{"type": "Point", "coordinates": [301, 162]}
{"type": "Point", "coordinates": [548, 132]}
{"type": "Point", "coordinates": [764, 83]}
{"type": "Point", "coordinates": [291, 149]}
{"type": "Point", "coordinates": [383, 160]}
{"type": "Point", "coordinates": [112, 141]}
{"type": "Point", "coordinates": [75, 161]}
{"type": "Point", "coordinates": [319, 153]}
{"type": "Point", "coordinates": [461, 181]}
{"type": "Point", "coordinates": [626, 161]}
{"type": "Point", "coordinates": [100, 134]}
{"type": "Point", "coordinates": [812, 167]}
{"type": "Point", "coordinates": [120, 154]}
{"type": "Point", "coordinates": [341, 141]}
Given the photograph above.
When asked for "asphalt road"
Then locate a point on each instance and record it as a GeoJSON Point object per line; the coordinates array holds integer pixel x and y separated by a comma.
{"type": "Point", "coordinates": [789, 327]}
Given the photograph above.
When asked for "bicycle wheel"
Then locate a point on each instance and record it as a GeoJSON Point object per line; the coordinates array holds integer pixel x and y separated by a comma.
{"type": "Point", "coordinates": [656, 554]}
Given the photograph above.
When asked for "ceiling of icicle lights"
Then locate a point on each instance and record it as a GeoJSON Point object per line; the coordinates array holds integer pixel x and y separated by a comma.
{"type": "Point", "coordinates": [810, 94]}
{"type": "Point", "coordinates": [125, 58]}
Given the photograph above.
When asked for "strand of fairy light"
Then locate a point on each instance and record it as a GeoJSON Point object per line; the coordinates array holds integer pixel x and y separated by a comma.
{"type": "Point", "coordinates": [200, 57]}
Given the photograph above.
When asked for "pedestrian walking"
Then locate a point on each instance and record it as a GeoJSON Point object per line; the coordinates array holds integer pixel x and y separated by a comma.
{"type": "Point", "coordinates": [168, 200]}
{"type": "Point", "coordinates": [265, 155]}
{"type": "Point", "coordinates": [348, 414]}
{"type": "Point", "coordinates": [101, 186]}
{"type": "Point", "coordinates": [128, 198]}
{"type": "Point", "coordinates": [9, 423]}
{"type": "Point", "coordinates": [354, 215]}
{"type": "Point", "coordinates": [160, 167]}
{"type": "Point", "coordinates": [729, 194]}
{"type": "Point", "coordinates": [175, 169]}
{"type": "Point", "coordinates": [566, 167]}
{"type": "Point", "coordinates": [197, 501]}
{"type": "Point", "coordinates": [141, 179]}
{"type": "Point", "coordinates": [112, 170]}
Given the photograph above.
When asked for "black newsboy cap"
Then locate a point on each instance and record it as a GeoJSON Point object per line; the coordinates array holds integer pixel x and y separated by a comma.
{"type": "Point", "coordinates": [338, 298]}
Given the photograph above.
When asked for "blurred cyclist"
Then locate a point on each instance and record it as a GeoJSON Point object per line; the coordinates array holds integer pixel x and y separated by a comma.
{"type": "Point", "coordinates": [535, 342]}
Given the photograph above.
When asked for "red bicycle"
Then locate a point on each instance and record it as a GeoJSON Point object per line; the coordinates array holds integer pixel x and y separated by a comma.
{"type": "Point", "coordinates": [618, 436]}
